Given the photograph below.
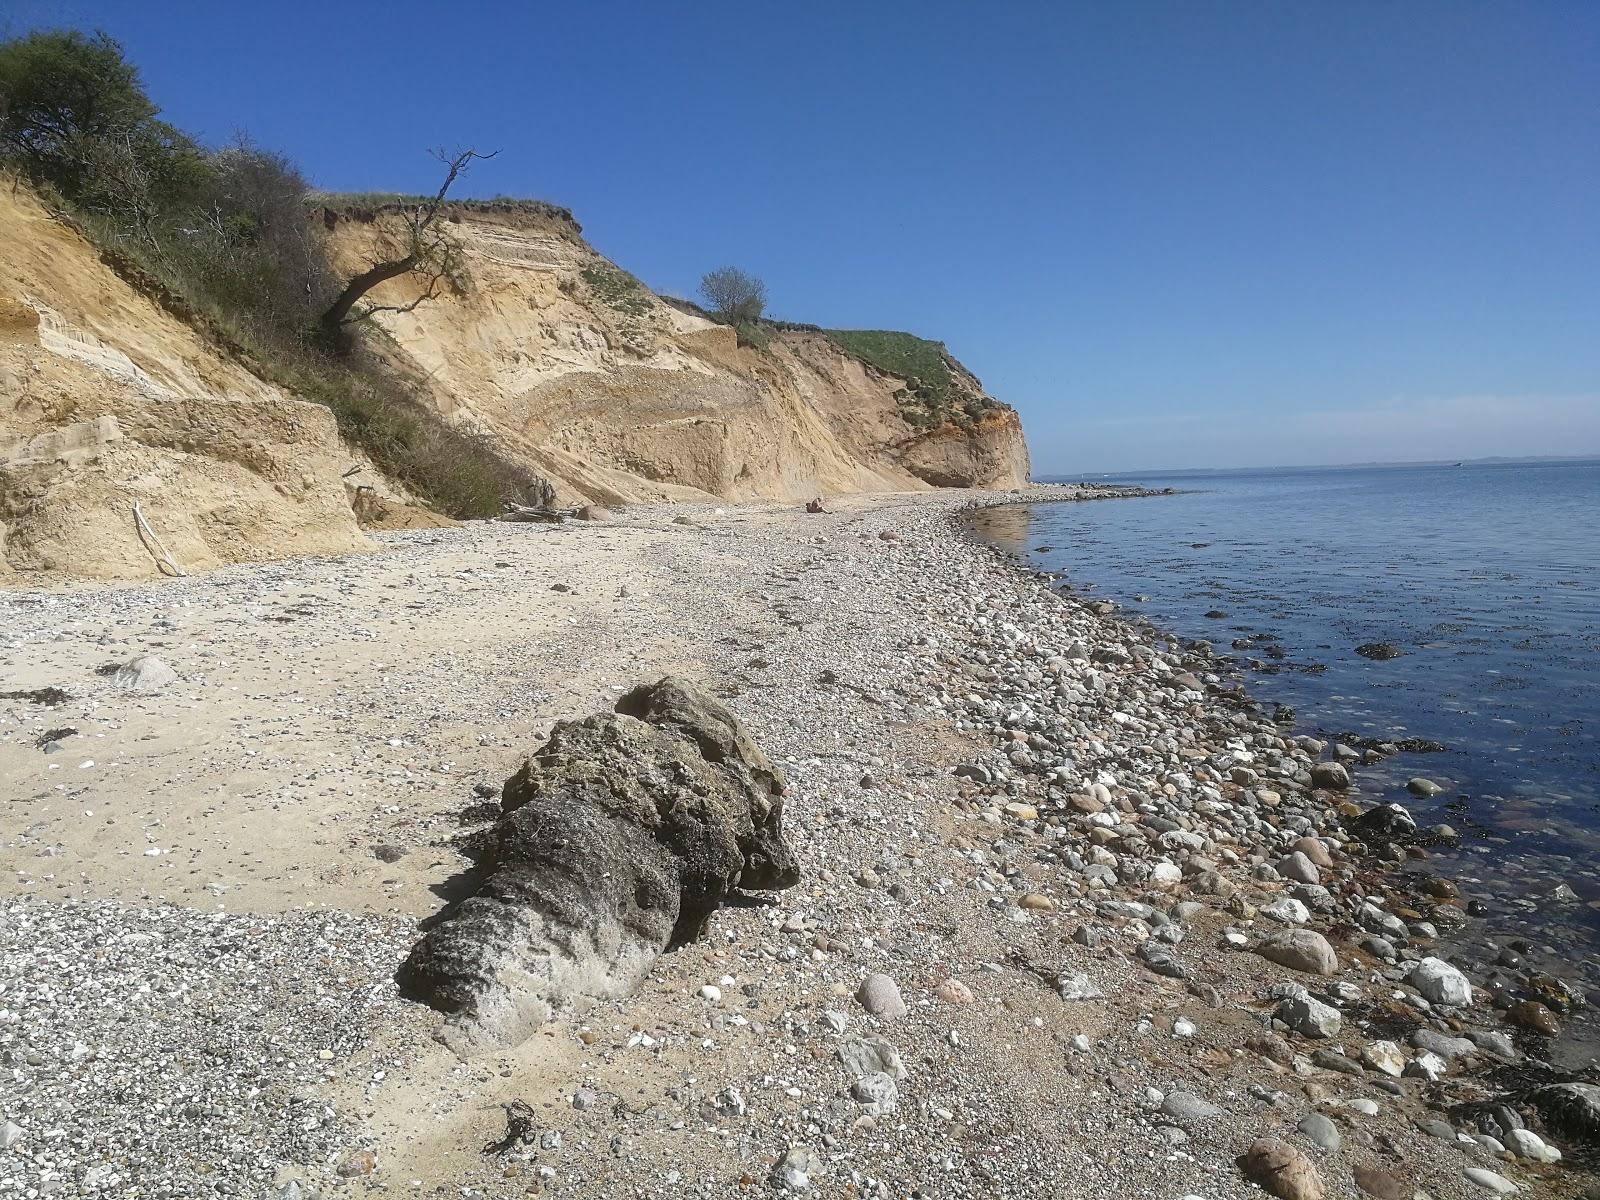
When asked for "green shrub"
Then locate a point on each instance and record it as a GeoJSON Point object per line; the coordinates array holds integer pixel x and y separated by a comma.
{"type": "Point", "coordinates": [74, 116]}
{"type": "Point", "coordinates": [616, 288]}
{"type": "Point", "coordinates": [60, 90]}
{"type": "Point", "coordinates": [226, 239]}
{"type": "Point", "coordinates": [757, 335]}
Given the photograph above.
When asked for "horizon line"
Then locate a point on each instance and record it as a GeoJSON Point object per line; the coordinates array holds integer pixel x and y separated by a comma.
{"type": "Point", "coordinates": [1512, 459]}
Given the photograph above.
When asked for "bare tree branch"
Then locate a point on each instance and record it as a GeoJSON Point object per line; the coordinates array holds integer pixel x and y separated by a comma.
{"type": "Point", "coordinates": [434, 283]}
{"type": "Point", "coordinates": [427, 250]}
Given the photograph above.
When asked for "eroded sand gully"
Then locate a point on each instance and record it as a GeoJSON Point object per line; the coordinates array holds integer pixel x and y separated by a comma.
{"type": "Point", "coordinates": [211, 885]}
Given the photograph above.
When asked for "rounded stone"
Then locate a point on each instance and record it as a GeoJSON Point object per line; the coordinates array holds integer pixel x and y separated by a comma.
{"type": "Point", "coordinates": [880, 996]}
{"type": "Point", "coordinates": [1300, 950]}
{"type": "Point", "coordinates": [1321, 1132]}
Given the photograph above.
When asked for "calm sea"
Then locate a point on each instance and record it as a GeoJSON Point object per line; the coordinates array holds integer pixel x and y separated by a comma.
{"type": "Point", "coordinates": [1486, 577]}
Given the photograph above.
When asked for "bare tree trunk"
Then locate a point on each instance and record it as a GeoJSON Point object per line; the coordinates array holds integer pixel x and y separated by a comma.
{"type": "Point", "coordinates": [339, 312]}
{"type": "Point", "coordinates": [428, 250]}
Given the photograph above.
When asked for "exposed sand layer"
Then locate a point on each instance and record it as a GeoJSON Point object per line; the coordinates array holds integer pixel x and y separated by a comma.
{"type": "Point", "coordinates": [579, 373]}
{"type": "Point", "coordinates": [108, 401]}
{"type": "Point", "coordinates": [134, 444]}
{"type": "Point", "coordinates": [203, 917]}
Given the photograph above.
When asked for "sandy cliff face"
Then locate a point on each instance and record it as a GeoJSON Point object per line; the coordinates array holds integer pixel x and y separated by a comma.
{"type": "Point", "coordinates": [108, 401]}
{"type": "Point", "coordinates": [614, 395]}
{"type": "Point", "coordinates": [129, 438]}
{"type": "Point", "coordinates": [861, 406]}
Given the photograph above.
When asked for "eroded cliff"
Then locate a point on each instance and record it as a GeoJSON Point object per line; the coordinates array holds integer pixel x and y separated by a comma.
{"type": "Point", "coordinates": [108, 402]}
{"type": "Point", "coordinates": [135, 441]}
{"type": "Point", "coordinates": [615, 395]}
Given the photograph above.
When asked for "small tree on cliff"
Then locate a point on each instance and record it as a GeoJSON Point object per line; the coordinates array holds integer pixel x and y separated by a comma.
{"type": "Point", "coordinates": [74, 115]}
{"type": "Point", "coordinates": [60, 91]}
{"type": "Point", "coordinates": [733, 297]}
{"type": "Point", "coordinates": [423, 248]}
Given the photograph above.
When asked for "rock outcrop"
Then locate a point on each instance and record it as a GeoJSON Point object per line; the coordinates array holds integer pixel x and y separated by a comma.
{"type": "Point", "coordinates": [584, 376]}
{"type": "Point", "coordinates": [620, 837]}
{"type": "Point", "coordinates": [1571, 1108]}
{"type": "Point", "coordinates": [108, 400]}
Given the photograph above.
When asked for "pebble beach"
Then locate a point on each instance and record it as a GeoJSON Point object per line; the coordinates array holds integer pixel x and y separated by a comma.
{"type": "Point", "coordinates": [1075, 919]}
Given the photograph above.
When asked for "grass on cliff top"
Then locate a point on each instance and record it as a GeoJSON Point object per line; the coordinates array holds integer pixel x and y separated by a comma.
{"type": "Point", "coordinates": [931, 396]}
{"type": "Point", "coordinates": [930, 386]}
{"type": "Point", "coordinates": [918, 361]}
{"type": "Point", "coordinates": [356, 202]}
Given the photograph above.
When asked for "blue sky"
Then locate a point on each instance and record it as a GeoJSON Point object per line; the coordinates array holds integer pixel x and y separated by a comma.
{"type": "Point", "coordinates": [1172, 234]}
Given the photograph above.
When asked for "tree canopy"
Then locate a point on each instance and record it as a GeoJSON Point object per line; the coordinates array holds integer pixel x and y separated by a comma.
{"type": "Point", "coordinates": [734, 297]}
{"type": "Point", "coordinates": [73, 114]}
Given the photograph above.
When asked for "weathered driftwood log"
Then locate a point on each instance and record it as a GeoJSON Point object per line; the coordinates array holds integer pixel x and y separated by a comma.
{"type": "Point", "coordinates": [526, 512]}
{"type": "Point", "coordinates": [539, 492]}
{"type": "Point", "coordinates": [620, 837]}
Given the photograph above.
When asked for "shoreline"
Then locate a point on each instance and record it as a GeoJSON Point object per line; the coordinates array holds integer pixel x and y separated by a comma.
{"type": "Point", "coordinates": [1503, 932]}
{"type": "Point", "coordinates": [931, 853]}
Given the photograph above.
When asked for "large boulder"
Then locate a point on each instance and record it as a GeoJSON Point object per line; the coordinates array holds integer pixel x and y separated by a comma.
{"type": "Point", "coordinates": [1282, 1170]}
{"type": "Point", "coordinates": [620, 837]}
{"type": "Point", "coordinates": [1439, 982]}
{"type": "Point", "coordinates": [1310, 1017]}
{"type": "Point", "coordinates": [1572, 1109]}
{"type": "Point", "coordinates": [1384, 823]}
{"type": "Point", "coordinates": [1330, 775]}
{"type": "Point", "coordinates": [1300, 950]}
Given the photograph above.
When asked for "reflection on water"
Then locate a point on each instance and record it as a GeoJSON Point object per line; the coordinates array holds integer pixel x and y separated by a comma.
{"type": "Point", "coordinates": [1005, 526]}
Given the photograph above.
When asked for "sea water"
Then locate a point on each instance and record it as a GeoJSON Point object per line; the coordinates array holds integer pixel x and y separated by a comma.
{"type": "Point", "coordinates": [1486, 578]}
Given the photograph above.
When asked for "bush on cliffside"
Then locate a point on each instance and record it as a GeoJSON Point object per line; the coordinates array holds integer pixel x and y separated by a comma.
{"type": "Point", "coordinates": [73, 116]}
{"type": "Point", "coordinates": [617, 288]}
{"type": "Point", "coordinates": [227, 237]}
{"type": "Point", "coordinates": [935, 394]}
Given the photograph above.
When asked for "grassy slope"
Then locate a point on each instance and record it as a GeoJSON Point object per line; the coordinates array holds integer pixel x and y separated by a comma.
{"type": "Point", "coordinates": [933, 394]}
{"type": "Point", "coordinates": [917, 360]}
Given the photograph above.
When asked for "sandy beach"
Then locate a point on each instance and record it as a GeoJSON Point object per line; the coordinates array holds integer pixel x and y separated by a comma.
{"type": "Point", "coordinates": [1115, 903]}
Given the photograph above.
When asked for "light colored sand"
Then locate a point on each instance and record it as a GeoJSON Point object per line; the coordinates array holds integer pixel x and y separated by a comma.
{"type": "Point", "coordinates": [292, 747]}
{"type": "Point", "coordinates": [327, 705]}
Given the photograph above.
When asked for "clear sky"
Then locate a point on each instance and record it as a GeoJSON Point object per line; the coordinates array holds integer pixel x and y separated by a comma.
{"type": "Point", "coordinates": [1172, 234]}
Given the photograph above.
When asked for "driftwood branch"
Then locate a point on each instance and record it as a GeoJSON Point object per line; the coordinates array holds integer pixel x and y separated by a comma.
{"type": "Point", "coordinates": [527, 512]}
